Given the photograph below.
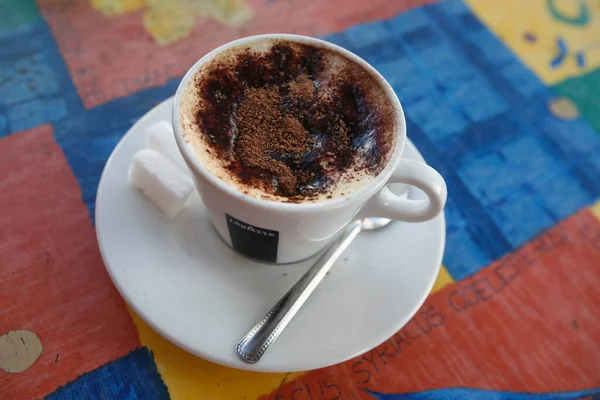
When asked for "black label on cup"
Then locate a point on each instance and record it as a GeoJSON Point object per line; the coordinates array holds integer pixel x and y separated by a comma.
{"type": "Point", "coordinates": [252, 241]}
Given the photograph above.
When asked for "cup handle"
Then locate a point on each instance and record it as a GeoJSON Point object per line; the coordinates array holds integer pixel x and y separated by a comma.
{"type": "Point", "coordinates": [386, 204]}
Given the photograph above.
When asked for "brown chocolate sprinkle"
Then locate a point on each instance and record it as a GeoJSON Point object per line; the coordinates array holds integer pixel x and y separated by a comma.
{"type": "Point", "coordinates": [302, 88]}
{"type": "Point", "coordinates": [264, 132]}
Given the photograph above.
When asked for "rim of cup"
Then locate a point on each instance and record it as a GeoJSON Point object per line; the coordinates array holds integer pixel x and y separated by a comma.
{"type": "Point", "coordinates": [373, 185]}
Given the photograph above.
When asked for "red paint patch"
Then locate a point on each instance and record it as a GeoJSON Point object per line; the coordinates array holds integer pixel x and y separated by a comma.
{"type": "Point", "coordinates": [528, 322]}
{"type": "Point", "coordinates": [52, 279]}
{"type": "Point", "coordinates": [102, 71]}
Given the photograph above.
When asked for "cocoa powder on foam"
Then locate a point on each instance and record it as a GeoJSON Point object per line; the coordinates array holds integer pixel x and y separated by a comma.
{"type": "Point", "coordinates": [264, 129]}
{"type": "Point", "coordinates": [280, 121]}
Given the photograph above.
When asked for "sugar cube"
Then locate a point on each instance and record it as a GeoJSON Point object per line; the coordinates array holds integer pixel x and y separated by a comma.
{"type": "Point", "coordinates": [160, 137]}
{"type": "Point", "coordinates": [164, 184]}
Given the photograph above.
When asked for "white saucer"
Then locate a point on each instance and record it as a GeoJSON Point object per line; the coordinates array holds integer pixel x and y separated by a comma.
{"type": "Point", "coordinates": [199, 294]}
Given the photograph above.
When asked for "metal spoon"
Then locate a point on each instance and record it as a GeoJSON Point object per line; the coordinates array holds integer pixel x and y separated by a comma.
{"type": "Point", "coordinates": [256, 342]}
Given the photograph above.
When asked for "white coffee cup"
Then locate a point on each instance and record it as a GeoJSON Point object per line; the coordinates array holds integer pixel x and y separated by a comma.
{"type": "Point", "coordinates": [279, 232]}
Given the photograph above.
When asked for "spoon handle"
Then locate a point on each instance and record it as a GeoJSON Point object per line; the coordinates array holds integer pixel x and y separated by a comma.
{"type": "Point", "coordinates": [256, 342]}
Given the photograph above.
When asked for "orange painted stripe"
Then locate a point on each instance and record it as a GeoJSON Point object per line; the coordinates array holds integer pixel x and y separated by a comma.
{"type": "Point", "coordinates": [52, 280]}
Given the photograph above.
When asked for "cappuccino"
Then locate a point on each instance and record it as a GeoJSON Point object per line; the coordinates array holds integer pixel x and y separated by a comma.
{"type": "Point", "coordinates": [288, 122]}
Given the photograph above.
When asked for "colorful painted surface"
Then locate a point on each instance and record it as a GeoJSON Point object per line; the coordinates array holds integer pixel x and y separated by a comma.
{"type": "Point", "coordinates": [557, 39]}
{"type": "Point", "coordinates": [161, 39]}
{"type": "Point", "coordinates": [502, 99]}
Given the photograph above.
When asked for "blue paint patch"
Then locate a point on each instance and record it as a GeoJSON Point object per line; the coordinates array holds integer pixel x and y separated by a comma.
{"type": "Point", "coordinates": [489, 47]}
{"type": "Point", "coordinates": [422, 38]}
{"type": "Point", "coordinates": [451, 8]}
{"type": "Point", "coordinates": [471, 23]}
{"type": "Point", "coordinates": [477, 99]}
{"type": "Point", "coordinates": [35, 112]}
{"type": "Point", "coordinates": [474, 243]}
{"type": "Point", "coordinates": [589, 173]}
{"type": "Point", "coordinates": [4, 126]}
{"type": "Point", "coordinates": [407, 80]}
{"type": "Point", "coordinates": [560, 57]}
{"type": "Point", "coordinates": [365, 35]}
{"type": "Point", "coordinates": [520, 217]}
{"type": "Point", "coordinates": [409, 21]}
{"type": "Point", "coordinates": [562, 194]}
{"type": "Point", "coordinates": [435, 117]}
{"type": "Point", "coordinates": [522, 79]}
{"type": "Point", "coordinates": [340, 39]}
{"type": "Point", "coordinates": [490, 178]}
{"type": "Point", "coordinates": [25, 79]}
{"type": "Point", "coordinates": [574, 138]}
{"type": "Point", "coordinates": [463, 254]}
{"type": "Point", "coordinates": [446, 64]}
{"type": "Point", "coordinates": [455, 220]}
{"type": "Point", "coordinates": [35, 85]}
{"type": "Point", "coordinates": [580, 59]}
{"type": "Point", "coordinates": [485, 137]}
{"type": "Point", "coordinates": [530, 158]}
{"type": "Point", "coordinates": [381, 52]}
{"type": "Point", "coordinates": [128, 378]}
{"type": "Point", "coordinates": [477, 394]}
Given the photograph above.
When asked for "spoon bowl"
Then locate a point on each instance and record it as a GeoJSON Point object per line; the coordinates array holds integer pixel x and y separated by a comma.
{"type": "Point", "coordinates": [372, 223]}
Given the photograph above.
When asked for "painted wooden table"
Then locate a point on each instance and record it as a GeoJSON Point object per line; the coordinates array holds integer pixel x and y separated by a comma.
{"type": "Point", "coordinates": [501, 97]}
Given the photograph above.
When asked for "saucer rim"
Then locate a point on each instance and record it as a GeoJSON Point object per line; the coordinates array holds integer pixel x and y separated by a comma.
{"type": "Point", "coordinates": [382, 336]}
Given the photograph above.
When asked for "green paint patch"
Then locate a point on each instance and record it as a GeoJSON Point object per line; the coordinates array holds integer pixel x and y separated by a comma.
{"type": "Point", "coordinates": [584, 91]}
{"type": "Point", "coordinates": [17, 14]}
{"type": "Point", "coordinates": [580, 19]}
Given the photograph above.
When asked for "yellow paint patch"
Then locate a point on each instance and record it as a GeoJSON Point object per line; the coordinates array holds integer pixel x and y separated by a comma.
{"type": "Point", "coordinates": [190, 377]}
{"type": "Point", "coordinates": [442, 280]}
{"type": "Point", "coordinates": [110, 7]}
{"type": "Point", "coordinates": [595, 209]}
{"type": "Point", "coordinates": [531, 28]}
{"type": "Point", "coordinates": [170, 21]}
{"type": "Point", "coordinates": [563, 107]}
{"type": "Point", "coordinates": [230, 12]}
